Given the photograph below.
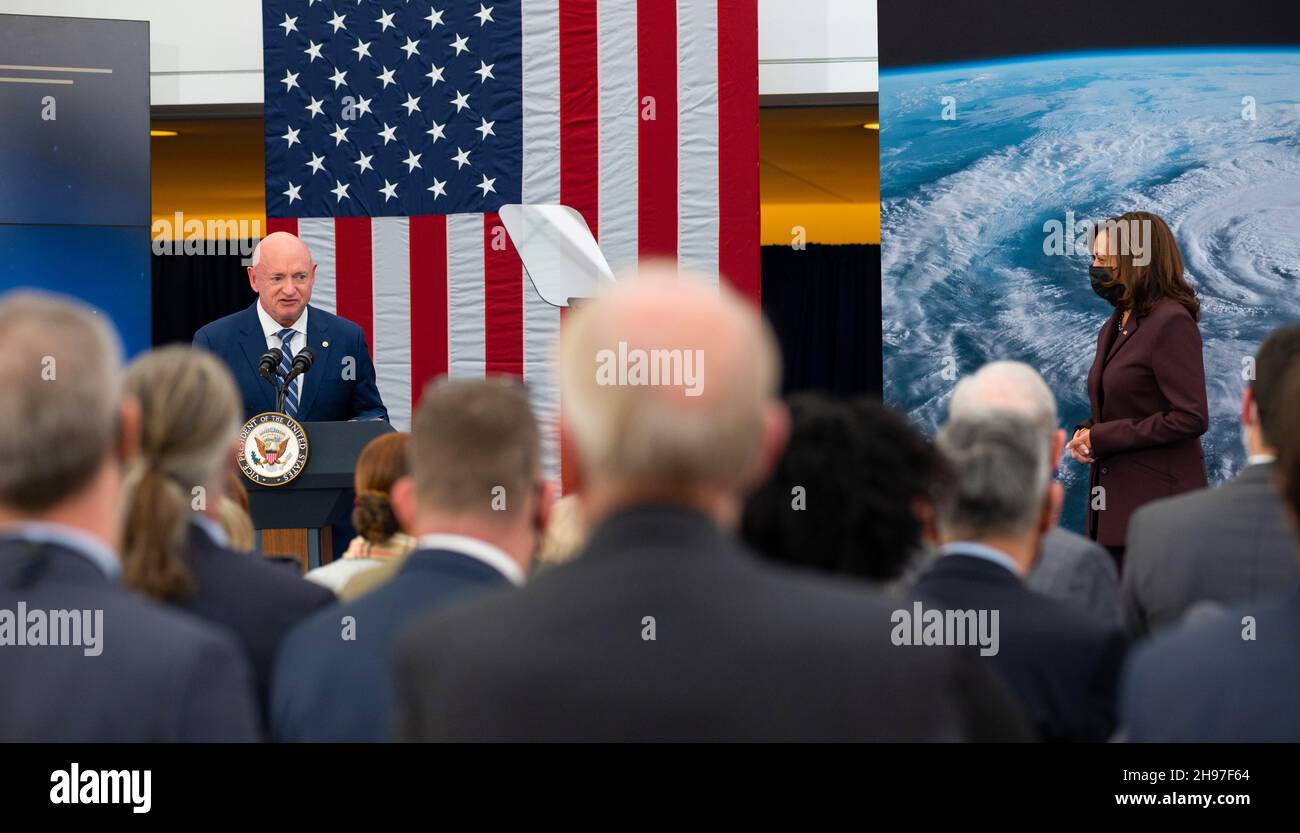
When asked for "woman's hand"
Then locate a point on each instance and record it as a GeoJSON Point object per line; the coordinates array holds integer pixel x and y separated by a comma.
{"type": "Point", "coordinates": [1080, 447]}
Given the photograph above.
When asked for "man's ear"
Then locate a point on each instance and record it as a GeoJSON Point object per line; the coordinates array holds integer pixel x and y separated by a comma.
{"type": "Point", "coordinates": [1058, 446]}
{"type": "Point", "coordinates": [402, 497]}
{"type": "Point", "coordinates": [1249, 408]}
{"type": "Point", "coordinates": [128, 429]}
{"type": "Point", "coordinates": [1053, 503]}
{"type": "Point", "coordinates": [252, 280]}
{"type": "Point", "coordinates": [774, 436]}
{"type": "Point", "coordinates": [923, 511]}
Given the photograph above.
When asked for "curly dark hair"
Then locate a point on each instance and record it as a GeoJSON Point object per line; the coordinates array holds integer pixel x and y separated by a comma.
{"type": "Point", "coordinates": [862, 466]}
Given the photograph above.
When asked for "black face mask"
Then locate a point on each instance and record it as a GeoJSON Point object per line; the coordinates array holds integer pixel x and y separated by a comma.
{"type": "Point", "coordinates": [1100, 275]}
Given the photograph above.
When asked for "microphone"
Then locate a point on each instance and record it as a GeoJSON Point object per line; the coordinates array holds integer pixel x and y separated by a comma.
{"type": "Point", "coordinates": [301, 364]}
{"type": "Point", "coordinates": [268, 363]}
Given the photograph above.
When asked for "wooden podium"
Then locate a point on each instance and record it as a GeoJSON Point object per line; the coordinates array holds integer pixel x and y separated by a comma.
{"type": "Point", "coordinates": [294, 519]}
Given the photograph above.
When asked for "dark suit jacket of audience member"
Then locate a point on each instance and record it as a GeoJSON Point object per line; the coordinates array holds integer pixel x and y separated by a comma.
{"type": "Point", "coordinates": [163, 675]}
{"type": "Point", "coordinates": [1076, 570]}
{"type": "Point", "coordinates": [1205, 683]}
{"type": "Point", "coordinates": [740, 650]}
{"type": "Point", "coordinates": [1226, 545]}
{"type": "Point", "coordinates": [1149, 409]}
{"type": "Point", "coordinates": [1063, 664]}
{"type": "Point", "coordinates": [330, 688]}
{"type": "Point", "coordinates": [259, 602]}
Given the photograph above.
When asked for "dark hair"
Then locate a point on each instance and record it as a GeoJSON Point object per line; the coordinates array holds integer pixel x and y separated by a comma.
{"type": "Point", "coordinates": [1288, 443]}
{"type": "Point", "coordinates": [861, 466]}
{"type": "Point", "coordinates": [1280, 351]}
{"type": "Point", "coordinates": [382, 461]}
{"type": "Point", "coordinates": [1161, 277]}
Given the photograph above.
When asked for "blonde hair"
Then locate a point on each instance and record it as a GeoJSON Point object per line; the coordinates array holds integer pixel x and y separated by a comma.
{"type": "Point", "coordinates": [236, 524]}
{"type": "Point", "coordinates": [190, 412]}
{"type": "Point", "coordinates": [565, 533]}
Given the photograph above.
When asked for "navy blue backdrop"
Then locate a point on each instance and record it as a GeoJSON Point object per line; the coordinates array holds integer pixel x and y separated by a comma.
{"type": "Point", "coordinates": [74, 164]}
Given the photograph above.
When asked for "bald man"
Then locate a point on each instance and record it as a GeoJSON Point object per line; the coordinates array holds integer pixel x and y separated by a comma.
{"type": "Point", "coordinates": [664, 627]}
{"type": "Point", "coordinates": [341, 382]}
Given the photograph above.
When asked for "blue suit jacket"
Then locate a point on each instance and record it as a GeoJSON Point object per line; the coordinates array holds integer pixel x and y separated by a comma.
{"type": "Point", "coordinates": [327, 395]}
{"type": "Point", "coordinates": [329, 688]}
{"type": "Point", "coordinates": [1201, 682]}
{"type": "Point", "coordinates": [258, 601]}
{"type": "Point", "coordinates": [163, 675]}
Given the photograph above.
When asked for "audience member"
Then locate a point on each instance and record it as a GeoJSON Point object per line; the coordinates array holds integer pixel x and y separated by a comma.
{"type": "Point", "coordinates": [379, 537]}
{"type": "Point", "coordinates": [476, 501]}
{"type": "Point", "coordinates": [172, 552]}
{"type": "Point", "coordinates": [124, 669]}
{"type": "Point", "coordinates": [850, 494]}
{"type": "Point", "coordinates": [664, 627]}
{"type": "Point", "coordinates": [1063, 664]}
{"type": "Point", "coordinates": [1233, 678]}
{"type": "Point", "coordinates": [1071, 567]}
{"type": "Point", "coordinates": [1227, 544]}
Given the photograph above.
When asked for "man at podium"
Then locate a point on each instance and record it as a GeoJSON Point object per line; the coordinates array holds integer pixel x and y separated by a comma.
{"type": "Point", "coordinates": [339, 382]}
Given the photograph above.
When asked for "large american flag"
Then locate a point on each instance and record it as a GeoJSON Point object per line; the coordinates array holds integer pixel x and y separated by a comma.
{"type": "Point", "coordinates": [395, 131]}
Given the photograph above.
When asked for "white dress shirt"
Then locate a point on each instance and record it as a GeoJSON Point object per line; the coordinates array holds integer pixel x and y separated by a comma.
{"type": "Point", "coordinates": [271, 328]}
{"type": "Point", "coordinates": [492, 556]}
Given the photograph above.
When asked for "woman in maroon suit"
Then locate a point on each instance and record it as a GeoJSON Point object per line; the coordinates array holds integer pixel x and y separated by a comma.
{"type": "Point", "coordinates": [1147, 382]}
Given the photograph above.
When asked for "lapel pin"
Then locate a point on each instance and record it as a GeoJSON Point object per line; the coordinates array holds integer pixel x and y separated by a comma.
{"type": "Point", "coordinates": [324, 344]}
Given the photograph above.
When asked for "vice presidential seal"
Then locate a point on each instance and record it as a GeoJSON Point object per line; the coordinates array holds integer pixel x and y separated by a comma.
{"type": "Point", "coordinates": [273, 449]}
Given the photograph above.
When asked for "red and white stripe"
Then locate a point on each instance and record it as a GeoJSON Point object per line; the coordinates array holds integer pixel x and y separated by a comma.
{"type": "Point", "coordinates": [448, 294]}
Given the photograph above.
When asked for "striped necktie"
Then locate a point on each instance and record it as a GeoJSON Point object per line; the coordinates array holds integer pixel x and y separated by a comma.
{"type": "Point", "coordinates": [286, 362]}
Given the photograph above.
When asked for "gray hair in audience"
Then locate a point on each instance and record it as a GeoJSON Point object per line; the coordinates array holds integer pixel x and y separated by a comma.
{"type": "Point", "coordinates": [999, 475]}
{"type": "Point", "coordinates": [59, 364]}
{"type": "Point", "coordinates": [1006, 386]}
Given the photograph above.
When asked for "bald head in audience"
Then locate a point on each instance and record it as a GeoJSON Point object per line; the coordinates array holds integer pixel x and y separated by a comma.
{"type": "Point", "coordinates": [669, 388]}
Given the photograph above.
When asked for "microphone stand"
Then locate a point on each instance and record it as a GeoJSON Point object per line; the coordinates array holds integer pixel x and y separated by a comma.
{"type": "Point", "coordinates": [294, 373]}
{"type": "Point", "coordinates": [271, 375]}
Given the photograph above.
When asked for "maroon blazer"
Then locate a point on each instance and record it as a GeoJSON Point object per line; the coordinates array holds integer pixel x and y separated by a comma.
{"type": "Point", "coordinates": [1149, 409]}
